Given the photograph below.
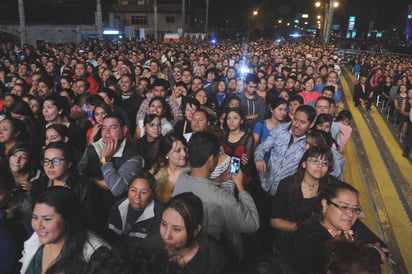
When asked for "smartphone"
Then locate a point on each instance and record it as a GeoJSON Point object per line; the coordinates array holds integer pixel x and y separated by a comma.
{"type": "Point", "coordinates": [234, 165]}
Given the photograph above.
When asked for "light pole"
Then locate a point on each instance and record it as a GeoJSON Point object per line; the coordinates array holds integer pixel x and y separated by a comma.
{"type": "Point", "coordinates": [250, 16]}
{"type": "Point", "coordinates": [22, 21]}
{"type": "Point", "coordinates": [328, 19]}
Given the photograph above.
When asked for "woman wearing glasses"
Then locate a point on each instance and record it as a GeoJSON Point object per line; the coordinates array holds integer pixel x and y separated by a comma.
{"type": "Point", "coordinates": [59, 170]}
{"type": "Point", "coordinates": [297, 194]}
{"type": "Point", "coordinates": [335, 217]}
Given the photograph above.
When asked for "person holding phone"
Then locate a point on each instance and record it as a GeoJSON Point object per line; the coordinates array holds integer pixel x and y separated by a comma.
{"type": "Point", "coordinates": [237, 142]}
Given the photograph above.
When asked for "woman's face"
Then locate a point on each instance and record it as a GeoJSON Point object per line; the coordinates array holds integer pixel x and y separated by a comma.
{"type": "Point", "coordinates": [262, 84]}
{"type": "Point", "coordinates": [64, 83]}
{"type": "Point", "coordinates": [325, 126]}
{"type": "Point", "coordinates": [179, 91]}
{"type": "Point", "coordinates": [341, 219]}
{"type": "Point", "coordinates": [55, 165]}
{"type": "Point", "coordinates": [99, 114]}
{"type": "Point", "coordinates": [189, 110]}
{"type": "Point", "coordinates": [201, 96]}
{"type": "Point", "coordinates": [156, 107]}
{"type": "Point", "coordinates": [309, 85]}
{"type": "Point", "coordinates": [6, 131]}
{"type": "Point", "coordinates": [234, 103]}
{"type": "Point", "coordinates": [177, 155]}
{"type": "Point", "coordinates": [279, 113]}
{"type": "Point", "coordinates": [173, 230]}
{"type": "Point", "coordinates": [52, 136]}
{"type": "Point", "coordinates": [316, 167]}
{"type": "Point", "coordinates": [233, 120]}
{"type": "Point", "coordinates": [50, 111]}
{"type": "Point", "coordinates": [48, 224]}
{"type": "Point", "coordinates": [34, 106]}
{"type": "Point", "coordinates": [18, 161]}
{"type": "Point", "coordinates": [153, 129]}
{"type": "Point", "coordinates": [8, 101]}
{"type": "Point", "coordinates": [221, 87]}
{"type": "Point", "coordinates": [140, 194]}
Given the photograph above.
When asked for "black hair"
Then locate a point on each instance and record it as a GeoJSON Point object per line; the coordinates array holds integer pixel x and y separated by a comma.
{"type": "Point", "coordinates": [102, 105]}
{"type": "Point", "coordinates": [344, 114]}
{"type": "Point", "coordinates": [67, 204]}
{"type": "Point", "coordinates": [331, 190]}
{"type": "Point", "coordinates": [309, 111]}
{"type": "Point", "coordinates": [239, 112]}
{"type": "Point", "coordinates": [330, 88]}
{"type": "Point", "coordinates": [166, 144]}
{"type": "Point", "coordinates": [190, 208]}
{"type": "Point", "coordinates": [65, 148]}
{"type": "Point", "coordinates": [201, 146]}
{"type": "Point", "coordinates": [166, 108]}
{"type": "Point", "coordinates": [24, 147]}
{"type": "Point", "coordinates": [277, 102]}
{"type": "Point", "coordinates": [297, 98]}
{"type": "Point", "coordinates": [116, 116]}
{"type": "Point", "coordinates": [21, 107]}
{"type": "Point", "coordinates": [295, 192]}
{"type": "Point", "coordinates": [62, 130]}
{"type": "Point", "coordinates": [351, 258]}
{"type": "Point", "coordinates": [19, 127]}
{"type": "Point", "coordinates": [143, 174]}
{"type": "Point", "coordinates": [251, 77]}
{"type": "Point", "coordinates": [61, 102]}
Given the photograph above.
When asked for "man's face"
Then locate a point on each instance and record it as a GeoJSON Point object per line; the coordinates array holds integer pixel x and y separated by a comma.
{"type": "Point", "coordinates": [43, 90]}
{"type": "Point", "coordinates": [279, 83]}
{"type": "Point", "coordinates": [251, 88]}
{"type": "Point", "coordinates": [186, 77]}
{"type": "Point", "coordinates": [80, 88]}
{"type": "Point", "coordinates": [177, 74]}
{"type": "Point", "coordinates": [126, 84]}
{"type": "Point", "coordinates": [300, 124]}
{"type": "Point", "coordinates": [159, 91]}
{"type": "Point", "coordinates": [111, 130]}
{"type": "Point", "coordinates": [332, 78]}
{"type": "Point", "coordinates": [50, 67]}
{"type": "Point", "coordinates": [322, 106]}
{"type": "Point", "coordinates": [199, 121]}
{"type": "Point", "coordinates": [154, 67]}
{"type": "Point", "coordinates": [80, 70]}
{"type": "Point", "coordinates": [196, 85]}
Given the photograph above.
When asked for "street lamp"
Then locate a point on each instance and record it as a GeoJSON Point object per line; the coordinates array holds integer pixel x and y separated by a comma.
{"type": "Point", "coordinates": [251, 15]}
{"type": "Point", "coordinates": [327, 19]}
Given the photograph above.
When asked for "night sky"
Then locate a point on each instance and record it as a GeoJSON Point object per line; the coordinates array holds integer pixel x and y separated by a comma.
{"type": "Point", "coordinates": [386, 14]}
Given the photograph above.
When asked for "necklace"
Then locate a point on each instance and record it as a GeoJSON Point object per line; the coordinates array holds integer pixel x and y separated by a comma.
{"type": "Point", "coordinates": [311, 186]}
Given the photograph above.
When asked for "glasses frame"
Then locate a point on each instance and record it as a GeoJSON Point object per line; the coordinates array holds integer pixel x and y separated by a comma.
{"type": "Point", "coordinates": [355, 210]}
{"type": "Point", "coordinates": [56, 161]}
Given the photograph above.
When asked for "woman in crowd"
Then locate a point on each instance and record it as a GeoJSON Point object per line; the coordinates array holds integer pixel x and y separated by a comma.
{"type": "Point", "coordinates": [183, 127]}
{"type": "Point", "coordinates": [160, 108]}
{"type": "Point", "coordinates": [218, 98]}
{"type": "Point", "coordinates": [278, 114]}
{"type": "Point", "coordinates": [137, 215]}
{"type": "Point", "coordinates": [148, 145]}
{"type": "Point", "coordinates": [59, 170]}
{"type": "Point", "coordinates": [237, 142]}
{"type": "Point", "coordinates": [319, 138]}
{"type": "Point", "coordinates": [335, 216]}
{"type": "Point", "coordinates": [202, 97]}
{"type": "Point", "coordinates": [296, 195]}
{"type": "Point", "coordinates": [35, 104]}
{"type": "Point", "coordinates": [343, 121]}
{"type": "Point", "coordinates": [262, 88]}
{"type": "Point", "coordinates": [308, 93]}
{"type": "Point", "coordinates": [171, 163]}
{"type": "Point", "coordinates": [94, 133]}
{"type": "Point", "coordinates": [179, 93]}
{"type": "Point", "coordinates": [60, 236]}
{"type": "Point", "coordinates": [12, 131]}
{"type": "Point", "coordinates": [23, 172]}
{"type": "Point", "coordinates": [55, 111]}
{"type": "Point", "coordinates": [181, 236]}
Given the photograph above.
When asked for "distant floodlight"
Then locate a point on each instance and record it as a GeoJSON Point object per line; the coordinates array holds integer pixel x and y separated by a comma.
{"type": "Point", "coordinates": [111, 32]}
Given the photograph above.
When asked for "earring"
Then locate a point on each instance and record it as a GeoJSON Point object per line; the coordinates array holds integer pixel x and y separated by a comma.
{"type": "Point", "coordinates": [167, 157]}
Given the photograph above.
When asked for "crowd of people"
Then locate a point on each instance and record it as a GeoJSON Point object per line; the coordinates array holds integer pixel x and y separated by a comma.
{"type": "Point", "coordinates": [146, 157]}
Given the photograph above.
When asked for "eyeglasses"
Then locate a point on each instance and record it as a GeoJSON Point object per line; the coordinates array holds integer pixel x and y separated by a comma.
{"type": "Point", "coordinates": [318, 162]}
{"type": "Point", "coordinates": [356, 210]}
{"type": "Point", "coordinates": [55, 161]}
